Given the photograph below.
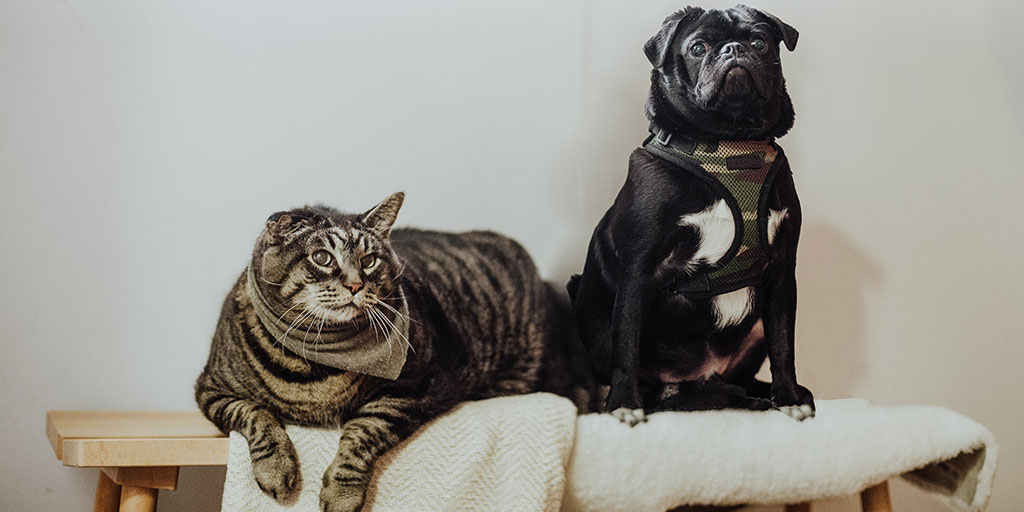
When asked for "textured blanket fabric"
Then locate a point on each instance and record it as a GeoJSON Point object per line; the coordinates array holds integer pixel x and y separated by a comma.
{"type": "Point", "coordinates": [513, 453]}
{"type": "Point", "coordinates": [502, 454]}
{"type": "Point", "coordinates": [747, 457]}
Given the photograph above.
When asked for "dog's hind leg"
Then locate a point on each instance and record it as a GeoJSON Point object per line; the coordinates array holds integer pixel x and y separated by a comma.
{"type": "Point", "coordinates": [707, 394]}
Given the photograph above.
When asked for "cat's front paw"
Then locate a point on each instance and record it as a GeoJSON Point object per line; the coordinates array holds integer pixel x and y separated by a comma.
{"type": "Point", "coordinates": [338, 497]}
{"type": "Point", "coordinates": [278, 473]}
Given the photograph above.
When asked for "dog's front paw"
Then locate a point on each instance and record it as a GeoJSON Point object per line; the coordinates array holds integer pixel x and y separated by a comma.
{"type": "Point", "coordinates": [341, 497]}
{"type": "Point", "coordinates": [798, 412]}
{"type": "Point", "coordinates": [797, 402]}
{"type": "Point", "coordinates": [624, 402]}
{"type": "Point", "coordinates": [278, 473]}
{"type": "Point", "coordinates": [629, 416]}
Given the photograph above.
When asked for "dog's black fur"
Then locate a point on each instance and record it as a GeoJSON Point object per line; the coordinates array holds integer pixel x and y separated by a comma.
{"type": "Point", "coordinates": [649, 342]}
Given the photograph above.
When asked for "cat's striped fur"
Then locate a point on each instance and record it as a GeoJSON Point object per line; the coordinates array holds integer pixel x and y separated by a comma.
{"type": "Point", "coordinates": [482, 324]}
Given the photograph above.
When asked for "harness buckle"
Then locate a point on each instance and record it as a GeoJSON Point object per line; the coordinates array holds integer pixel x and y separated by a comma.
{"type": "Point", "coordinates": [668, 137]}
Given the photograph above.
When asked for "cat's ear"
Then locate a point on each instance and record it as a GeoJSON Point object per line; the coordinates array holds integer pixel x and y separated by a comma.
{"type": "Point", "coordinates": [278, 224]}
{"type": "Point", "coordinates": [380, 218]}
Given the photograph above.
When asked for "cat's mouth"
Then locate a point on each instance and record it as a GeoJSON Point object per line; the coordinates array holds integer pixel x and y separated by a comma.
{"type": "Point", "coordinates": [333, 318]}
{"type": "Point", "coordinates": [337, 306]}
{"type": "Point", "coordinates": [332, 313]}
{"type": "Point", "coordinates": [341, 313]}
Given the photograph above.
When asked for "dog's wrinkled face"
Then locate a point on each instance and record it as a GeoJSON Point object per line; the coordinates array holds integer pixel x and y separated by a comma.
{"type": "Point", "coordinates": [718, 74]}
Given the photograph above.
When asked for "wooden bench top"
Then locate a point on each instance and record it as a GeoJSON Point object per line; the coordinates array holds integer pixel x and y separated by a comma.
{"type": "Point", "coordinates": [135, 439]}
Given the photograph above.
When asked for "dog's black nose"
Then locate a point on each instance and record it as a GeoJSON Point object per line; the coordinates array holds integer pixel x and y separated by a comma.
{"type": "Point", "coordinates": [732, 48]}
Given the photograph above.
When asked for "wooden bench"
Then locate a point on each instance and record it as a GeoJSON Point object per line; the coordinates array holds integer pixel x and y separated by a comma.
{"type": "Point", "coordinates": [140, 452]}
{"type": "Point", "coordinates": [137, 452]}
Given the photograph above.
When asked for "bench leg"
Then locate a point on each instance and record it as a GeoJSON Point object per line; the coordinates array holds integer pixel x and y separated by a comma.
{"type": "Point", "coordinates": [108, 495]}
{"type": "Point", "coordinates": [876, 498]}
{"type": "Point", "coordinates": [799, 507]}
{"type": "Point", "coordinates": [138, 499]}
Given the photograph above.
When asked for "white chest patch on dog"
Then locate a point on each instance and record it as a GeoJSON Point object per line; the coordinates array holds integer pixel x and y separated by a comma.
{"type": "Point", "coordinates": [716, 228]}
{"type": "Point", "coordinates": [775, 218]}
{"type": "Point", "coordinates": [731, 308]}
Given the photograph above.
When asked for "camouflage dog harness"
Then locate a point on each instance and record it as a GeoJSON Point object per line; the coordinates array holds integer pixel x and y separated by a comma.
{"type": "Point", "coordinates": [742, 172]}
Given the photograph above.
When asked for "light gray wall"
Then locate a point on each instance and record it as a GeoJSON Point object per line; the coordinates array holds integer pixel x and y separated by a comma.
{"type": "Point", "coordinates": [143, 143]}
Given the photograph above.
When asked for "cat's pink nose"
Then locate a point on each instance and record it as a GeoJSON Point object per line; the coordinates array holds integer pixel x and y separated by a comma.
{"type": "Point", "coordinates": [354, 287]}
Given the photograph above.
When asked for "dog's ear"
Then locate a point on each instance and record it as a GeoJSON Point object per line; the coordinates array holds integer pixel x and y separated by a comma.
{"type": "Point", "coordinates": [788, 34]}
{"type": "Point", "coordinates": [657, 47]}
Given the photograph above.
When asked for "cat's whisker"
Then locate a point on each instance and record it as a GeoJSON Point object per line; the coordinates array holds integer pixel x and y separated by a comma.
{"type": "Point", "coordinates": [391, 343]}
{"type": "Point", "coordinates": [373, 325]}
{"type": "Point", "coordinates": [281, 318]}
{"type": "Point", "coordinates": [400, 272]}
{"type": "Point", "coordinates": [392, 309]}
{"type": "Point", "coordinates": [305, 316]}
{"type": "Point", "coordinates": [315, 316]}
{"type": "Point", "coordinates": [383, 327]}
{"type": "Point", "coordinates": [380, 316]}
{"type": "Point", "coordinates": [396, 330]}
{"type": "Point", "coordinates": [381, 301]}
{"type": "Point", "coordinates": [298, 320]}
{"type": "Point", "coordinates": [265, 280]}
{"type": "Point", "coordinates": [317, 321]}
{"type": "Point", "coordinates": [323, 318]}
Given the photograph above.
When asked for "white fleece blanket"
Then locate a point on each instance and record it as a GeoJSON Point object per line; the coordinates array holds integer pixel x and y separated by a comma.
{"type": "Point", "coordinates": [521, 453]}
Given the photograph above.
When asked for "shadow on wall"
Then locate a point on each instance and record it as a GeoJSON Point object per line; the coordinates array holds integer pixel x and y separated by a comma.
{"type": "Point", "coordinates": [833, 275]}
{"type": "Point", "coordinates": [598, 153]}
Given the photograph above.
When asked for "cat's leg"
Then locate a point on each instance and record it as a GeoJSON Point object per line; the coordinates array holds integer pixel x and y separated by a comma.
{"type": "Point", "coordinates": [274, 462]}
{"type": "Point", "coordinates": [372, 430]}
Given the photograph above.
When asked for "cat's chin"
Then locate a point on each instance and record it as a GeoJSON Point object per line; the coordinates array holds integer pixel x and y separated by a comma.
{"type": "Point", "coordinates": [343, 316]}
{"type": "Point", "coordinates": [350, 319]}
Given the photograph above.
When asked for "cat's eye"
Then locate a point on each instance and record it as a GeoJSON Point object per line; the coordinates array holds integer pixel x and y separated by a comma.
{"type": "Point", "coordinates": [322, 258]}
{"type": "Point", "coordinates": [698, 49]}
{"type": "Point", "coordinates": [758, 44]}
{"type": "Point", "coordinates": [368, 261]}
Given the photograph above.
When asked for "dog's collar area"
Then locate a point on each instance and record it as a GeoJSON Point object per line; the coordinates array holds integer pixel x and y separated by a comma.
{"type": "Point", "coordinates": [739, 154]}
{"type": "Point", "coordinates": [742, 173]}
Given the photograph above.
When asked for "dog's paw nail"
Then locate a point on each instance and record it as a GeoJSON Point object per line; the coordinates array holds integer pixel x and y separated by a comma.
{"type": "Point", "coordinates": [629, 416]}
{"type": "Point", "coordinates": [798, 412]}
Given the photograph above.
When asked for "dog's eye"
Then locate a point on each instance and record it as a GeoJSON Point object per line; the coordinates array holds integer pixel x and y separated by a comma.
{"type": "Point", "coordinates": [758, 44]}
{"type": "Point", "coordinates": [698, 49]}
{"type": "Point", "coordinates": [321, 257]}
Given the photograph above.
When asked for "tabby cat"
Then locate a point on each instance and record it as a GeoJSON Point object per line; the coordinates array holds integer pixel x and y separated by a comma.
{"type": "Point", "coordinates": [341, 321]}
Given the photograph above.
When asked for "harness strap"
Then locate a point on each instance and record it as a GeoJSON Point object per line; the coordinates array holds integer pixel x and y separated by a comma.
{"type": "Point", "coordinates": [742, 173]}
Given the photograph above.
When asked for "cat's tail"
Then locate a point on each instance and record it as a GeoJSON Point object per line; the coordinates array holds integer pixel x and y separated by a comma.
{"type": "Point", "coordinates": [566, 370]}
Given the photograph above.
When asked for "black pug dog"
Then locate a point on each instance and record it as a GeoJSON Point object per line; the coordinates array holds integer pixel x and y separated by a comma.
{"type": "Point", "coordinates": [689, 280]}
